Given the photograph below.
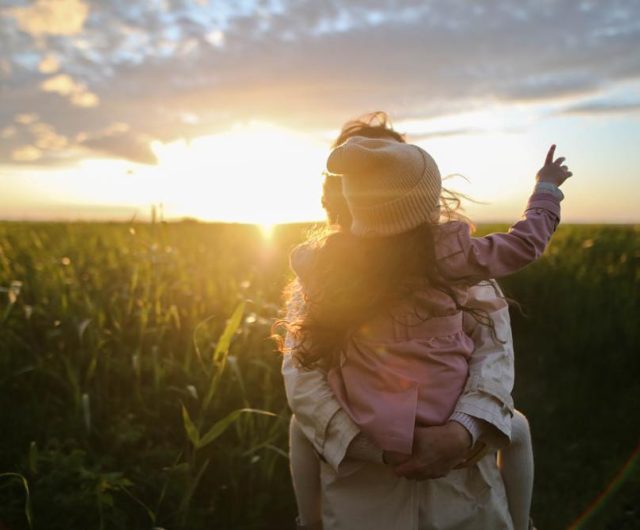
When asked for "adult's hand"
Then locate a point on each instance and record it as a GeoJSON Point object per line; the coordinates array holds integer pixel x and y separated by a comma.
{"type": "Point", "coordinates": [436, 451]}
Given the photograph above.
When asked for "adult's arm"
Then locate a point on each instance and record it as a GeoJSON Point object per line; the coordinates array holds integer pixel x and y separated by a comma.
{"type": "Point", "coordinates": [486, 397]}
{"type": "Point", "coordinates": [487, 394]}
{"type": "Point", "coordinates": [320, 417]}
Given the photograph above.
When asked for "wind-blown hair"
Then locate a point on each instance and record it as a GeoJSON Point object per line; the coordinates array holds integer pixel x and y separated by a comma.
{"type": "Point", "coordinates": [372, 125]}
{"type": "Point", "coordinates": [348, 280]}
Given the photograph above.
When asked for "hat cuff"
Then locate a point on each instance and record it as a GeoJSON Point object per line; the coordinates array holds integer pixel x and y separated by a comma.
{"type": "Point", "coordinates": [401, 215]}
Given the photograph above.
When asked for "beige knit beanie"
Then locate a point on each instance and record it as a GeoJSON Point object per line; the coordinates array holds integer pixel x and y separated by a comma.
{"type": "Point", "coordinates": [390, 187]}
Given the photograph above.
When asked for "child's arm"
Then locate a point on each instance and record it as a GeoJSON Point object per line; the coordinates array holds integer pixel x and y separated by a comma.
{"type": "Point", "coordinates": [498, 255]}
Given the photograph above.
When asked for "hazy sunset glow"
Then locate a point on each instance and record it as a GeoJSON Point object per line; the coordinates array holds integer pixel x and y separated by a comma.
{"type": "Point", "coordinates": [224, 111]}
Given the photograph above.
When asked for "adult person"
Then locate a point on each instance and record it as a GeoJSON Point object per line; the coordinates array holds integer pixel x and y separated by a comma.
{"type": "Point", "coordinates": [358, 489]}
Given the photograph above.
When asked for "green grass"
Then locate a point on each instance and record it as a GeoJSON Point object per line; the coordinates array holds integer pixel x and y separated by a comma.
{"type": "Point", "coordinates": [119, 364]}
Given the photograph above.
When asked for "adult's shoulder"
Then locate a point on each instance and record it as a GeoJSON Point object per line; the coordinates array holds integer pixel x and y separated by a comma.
{"type": "Point", "coordinates": [301, 259]}
{"type": "Point", "coordinates": [487, 295]}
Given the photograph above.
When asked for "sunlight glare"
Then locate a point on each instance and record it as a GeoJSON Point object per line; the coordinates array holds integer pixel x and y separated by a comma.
{"type": "Point", "coordinates": [267, 230]}
{"type": "Point", "coordinates": [497, 168]}
{"type": "Point", "coordinates": [254, 173]}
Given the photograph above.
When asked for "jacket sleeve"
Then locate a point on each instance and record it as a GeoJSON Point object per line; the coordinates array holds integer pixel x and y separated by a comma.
{"type": "Point", "coordinates": [487, 394]}
{"type": "Point", "coordinates": [311, 399]}
{"type": "Point", "coordinates": [463, 257]}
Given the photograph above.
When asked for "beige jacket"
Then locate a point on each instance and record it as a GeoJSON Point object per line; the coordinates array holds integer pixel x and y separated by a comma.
{"type": "Point", "coordinates": [362, 495]}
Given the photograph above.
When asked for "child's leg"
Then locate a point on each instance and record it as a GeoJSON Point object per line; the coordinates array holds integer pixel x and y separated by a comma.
{"type": "Point", "coordinates": [305, 474]}
{"type": "Point", "coordinates": [516, 466]}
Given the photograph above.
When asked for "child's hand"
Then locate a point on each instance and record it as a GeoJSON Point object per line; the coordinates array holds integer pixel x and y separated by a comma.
{"type": "Point", "coordinates": [553, 171]}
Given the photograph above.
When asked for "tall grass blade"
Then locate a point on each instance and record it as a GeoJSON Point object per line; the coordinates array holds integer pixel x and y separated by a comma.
{"type": "Point", "coordinates": [190, 428]}
{"type": "Point", "coordinates": [191, 489]}
{"type": "Point", "coordinates": [27, 502]}
{"type": "Point", "coordinates": [32, 458]}
{"type": "Point", "coordinates": [220, 353]}
{"type": "Point", "coordinates": [222, 348]}
{"type": "Point", "coordinates": [222, 425]}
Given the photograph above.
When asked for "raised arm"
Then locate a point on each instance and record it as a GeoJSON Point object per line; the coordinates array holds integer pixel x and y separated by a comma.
{"type": "Point", "coordinates": [498, 255]}
{"type": "Point", "coordinates": [461, 256]}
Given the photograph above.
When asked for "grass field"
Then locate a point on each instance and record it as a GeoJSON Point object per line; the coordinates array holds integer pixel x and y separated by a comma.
{"type": "Point", "coordinates": [126, 352]}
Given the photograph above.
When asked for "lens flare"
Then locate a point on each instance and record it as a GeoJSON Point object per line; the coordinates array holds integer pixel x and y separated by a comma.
{"type": "Point", "coordinates": [614, 485]}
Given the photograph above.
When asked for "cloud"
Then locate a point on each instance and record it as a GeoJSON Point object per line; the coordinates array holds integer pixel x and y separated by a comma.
{"type": "Point", "coordinates": [61, 84]}
{"type": "Point", "coordinates": [215, 38]}
{"type": "Point", "coordinates": [430, 65]}
{"type": "Point", "coordinates": [26, 153]}
{"type": "Point", "coordinates": [118, 141]}
{"type": "Point", "coordinates": [26, 119]}
{"type": "Point", "coordinates": [419, 137]}
{"type": "Point", "coordinates": [5, 68]}
{"type": "Point", "coordinates": [128, 147]}
{"type": "Point", "coordinates": [182, 68]}
{"type": "Point", "coordinates": [603, 107]}
{"type": "Point", "coordinates": [7, 132]}
{"type": "Point", "coordinates": [65, 86]}
{"type": "Point", "coordinates": [46, 138]}
{"type": "Point", "coordinates": [28, 139]}
{"type": "Point", "coordinates": [51, 17]}
{"type": "Point", "coordinates": [49, 64]}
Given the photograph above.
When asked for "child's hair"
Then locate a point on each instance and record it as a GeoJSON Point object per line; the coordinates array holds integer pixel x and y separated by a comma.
{"type": "Point", "coordinates": [371, 125]}
{"type": "Point", "coordinates": [376, 125]}
{"type": "Point", "coordinates": [350, 279]}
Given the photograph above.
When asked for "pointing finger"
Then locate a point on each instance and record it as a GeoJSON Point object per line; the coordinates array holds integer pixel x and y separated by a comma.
{"type": "Point", "coordinates": [549, 159]}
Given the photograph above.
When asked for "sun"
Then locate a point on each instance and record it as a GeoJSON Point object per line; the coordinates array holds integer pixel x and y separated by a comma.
{"type": "Point", "coordinates": [265, 174]}
{"type": "Point", "coordinates": [254, 173]}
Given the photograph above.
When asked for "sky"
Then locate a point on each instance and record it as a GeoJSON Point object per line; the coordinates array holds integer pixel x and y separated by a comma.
{"type": "Point", "coordinates": [224, 110]}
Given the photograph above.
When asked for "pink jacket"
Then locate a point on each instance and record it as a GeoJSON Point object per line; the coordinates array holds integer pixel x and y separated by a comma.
{"type": "Point", "coordinates": [401, 368]}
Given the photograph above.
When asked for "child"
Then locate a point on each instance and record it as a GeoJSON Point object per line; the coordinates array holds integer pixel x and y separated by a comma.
{"type": "Point", "coordinates": [384, 303]}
